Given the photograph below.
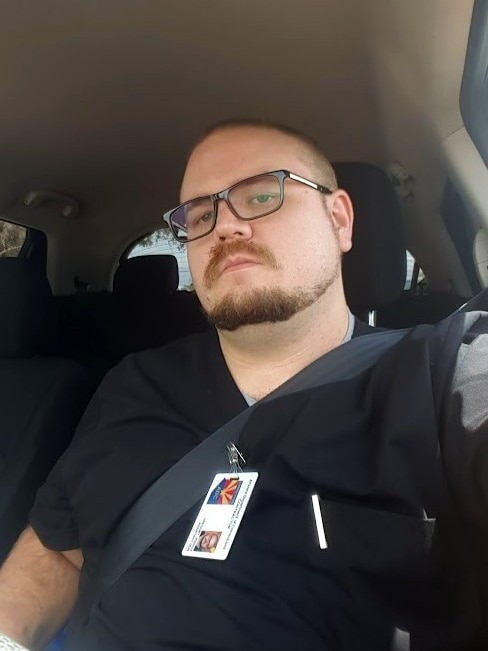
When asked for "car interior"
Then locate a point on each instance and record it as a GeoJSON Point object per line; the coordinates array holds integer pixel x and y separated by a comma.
{"type": "Point", "coordinates": [101, 105]}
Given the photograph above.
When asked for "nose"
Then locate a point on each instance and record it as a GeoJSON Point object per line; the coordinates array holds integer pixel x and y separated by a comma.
{"type": "Point", "coordinates": [228, 226]}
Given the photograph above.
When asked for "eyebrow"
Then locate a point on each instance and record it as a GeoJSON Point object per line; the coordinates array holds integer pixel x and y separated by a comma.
{"type": "Point", "coordinates": [238, 180]}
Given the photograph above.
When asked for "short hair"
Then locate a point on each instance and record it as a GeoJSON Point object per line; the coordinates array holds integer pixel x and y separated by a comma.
{"type": "Point", "coordinates": [317, 159]}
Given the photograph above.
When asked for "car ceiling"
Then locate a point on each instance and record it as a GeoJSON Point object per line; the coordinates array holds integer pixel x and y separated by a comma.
{"type": "Point", "coordinates": [102, 100]}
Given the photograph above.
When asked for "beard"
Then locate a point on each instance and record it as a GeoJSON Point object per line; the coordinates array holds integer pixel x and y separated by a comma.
{"type": "Point", "coordinates": [264, 305]}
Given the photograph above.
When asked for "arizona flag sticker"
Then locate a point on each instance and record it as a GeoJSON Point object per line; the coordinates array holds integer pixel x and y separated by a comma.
{"type": "Point", "coordinates": [225, 492]}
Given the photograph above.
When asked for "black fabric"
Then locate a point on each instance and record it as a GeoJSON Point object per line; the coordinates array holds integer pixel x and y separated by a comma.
{"type": "Point", "coordinates": [412, 309]}
{"type": "Point", "coordinates": [115, 326]}
{"type": "Point", "coordinates": [27, 325]}
{"type": "Point", "coordinates": [374, 270]}
{"type": "Point", "coordinates": [146, 277]}
{"type": "Point", "coordinates": [42, 398]}
{"type": "Point", "coordinates": [152, 514]}
{"type": "Point", "coordinates": [41, 403]}
{"type": "Point", "coordinates": [145, 310]}
{"type": "Point", "coordinates": [368, 447]}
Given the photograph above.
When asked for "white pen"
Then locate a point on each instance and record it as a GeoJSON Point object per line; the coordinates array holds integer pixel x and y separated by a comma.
{"type": "Point", "coordinates": [319, 523]}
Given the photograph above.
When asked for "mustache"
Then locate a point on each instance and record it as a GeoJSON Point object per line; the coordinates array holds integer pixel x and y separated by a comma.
{"type": "Point", "coordinates": [221, 251]}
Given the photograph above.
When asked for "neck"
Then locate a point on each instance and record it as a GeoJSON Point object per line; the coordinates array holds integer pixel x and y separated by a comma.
{"type": "Point", "coordinates": [262, 357]}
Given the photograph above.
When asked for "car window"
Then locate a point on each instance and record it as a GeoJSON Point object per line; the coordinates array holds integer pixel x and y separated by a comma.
{"type": "Point", "coordinates": [161, 242]}
{"type": "Point", "coordinates": [12, 237]}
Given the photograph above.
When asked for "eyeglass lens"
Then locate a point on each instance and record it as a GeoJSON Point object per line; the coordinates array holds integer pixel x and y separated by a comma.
{"type": "Point", "coordinates": [249, 199]}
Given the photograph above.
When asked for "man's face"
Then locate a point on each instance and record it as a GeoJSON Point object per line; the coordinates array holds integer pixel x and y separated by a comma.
{"type": "Point", "coordinates": [267, 269]}
{"type": "Point", "coordinates": [208, 541]}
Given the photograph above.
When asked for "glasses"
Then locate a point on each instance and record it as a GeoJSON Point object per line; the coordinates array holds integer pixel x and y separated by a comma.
{"type": "Point", "coordinates": [249, 199]}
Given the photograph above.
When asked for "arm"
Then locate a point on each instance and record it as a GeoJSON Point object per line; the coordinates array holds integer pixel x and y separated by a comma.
{"type": "Point", "coordinates": [38, 589]}
{"type": "Point", "coordinates": [465, 432]}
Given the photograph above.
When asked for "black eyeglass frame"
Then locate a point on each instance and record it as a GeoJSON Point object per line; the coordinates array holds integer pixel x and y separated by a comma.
{"type": "Point", "coordinates": [281, 175]}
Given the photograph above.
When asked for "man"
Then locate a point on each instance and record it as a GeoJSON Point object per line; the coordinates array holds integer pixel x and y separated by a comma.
{"type": "Point", "coordinates": [266, 227]}
{"type": "Point", "coordinates": [207, 542]}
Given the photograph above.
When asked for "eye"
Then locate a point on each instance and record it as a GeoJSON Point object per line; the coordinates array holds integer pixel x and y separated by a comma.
{"type": "Point", "coordinates": [207, 217]}
{"type": "Point", "coordinates": [262, 198]}
{"type": "Point", "coordinates": [201, 220]}
{"type": "Point", "coordinates": [196, 220]}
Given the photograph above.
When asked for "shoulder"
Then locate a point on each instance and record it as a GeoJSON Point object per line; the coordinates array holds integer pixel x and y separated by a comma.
{"type": "Point", "coordinates": [463, 407]}
{"type": "Point", "coordinates": [464, 354]}
{"type": "Point", "coordinates": [171, 363]}
{"type": "Point", "coordinates": [193, 351]}
{"type": "Point", "coordinates": [459, 342]}
{"type": "Point", "coordinates": [188, 376]}
{"type": "Point", "coordinates": [453, 351]}
{"type": "Point", "coordinates": [153, 374]}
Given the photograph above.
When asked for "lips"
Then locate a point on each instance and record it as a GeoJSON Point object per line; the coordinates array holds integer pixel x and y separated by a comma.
{"type": "Point", "coordinates": [228, 256]}
{"type": "Point", "coordinates": [234, 261]}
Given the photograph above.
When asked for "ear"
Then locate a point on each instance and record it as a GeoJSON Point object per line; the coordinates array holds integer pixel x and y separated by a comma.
{"type": "Point", "coordinates": [342, 215]}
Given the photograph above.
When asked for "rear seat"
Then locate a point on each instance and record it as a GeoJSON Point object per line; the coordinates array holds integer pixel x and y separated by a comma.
{"type": "Point", "coordinates": [42, 397]}
{"type": "Point", "coordinates": [145, 310]}
{"type": "Point", "coordinates": [149, 310]}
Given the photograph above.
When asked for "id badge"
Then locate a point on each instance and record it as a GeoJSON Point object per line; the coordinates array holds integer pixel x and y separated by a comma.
{"type": "Point", "coordinates": [220, 516]}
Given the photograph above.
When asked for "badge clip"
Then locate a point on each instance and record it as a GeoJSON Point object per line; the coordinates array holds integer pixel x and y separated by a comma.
{"type": "Point", "coordinates": [235, 459]}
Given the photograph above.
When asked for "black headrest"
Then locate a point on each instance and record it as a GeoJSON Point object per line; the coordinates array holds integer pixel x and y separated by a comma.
{"type": "Point", "coordinates": [375, 269]}
{"type": "Point", "coordinates": [27, 319]}
{"type": "Point", "coordinates": [146, 277]}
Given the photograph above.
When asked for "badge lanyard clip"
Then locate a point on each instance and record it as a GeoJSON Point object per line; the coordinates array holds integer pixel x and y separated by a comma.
{"type": "Point", "coordinates": [235, 459]}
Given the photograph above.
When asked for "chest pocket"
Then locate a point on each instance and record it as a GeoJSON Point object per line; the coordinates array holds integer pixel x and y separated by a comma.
{"type": "Point", "coordinates": [376, 541]}
{"type": "Point", "coordinates": [384, 562]}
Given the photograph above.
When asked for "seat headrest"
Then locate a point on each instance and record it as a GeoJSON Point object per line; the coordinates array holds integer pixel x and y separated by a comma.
{"type": "Point", "coordinates": [375, 269]}
{"type": "Point", "coordinates": [27, 320]}
{"type": "Point", "coordinates": [146, 277]}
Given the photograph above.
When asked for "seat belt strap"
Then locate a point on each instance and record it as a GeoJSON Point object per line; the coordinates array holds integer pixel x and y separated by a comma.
{"type": "Point", "coordinates": [187, 481]}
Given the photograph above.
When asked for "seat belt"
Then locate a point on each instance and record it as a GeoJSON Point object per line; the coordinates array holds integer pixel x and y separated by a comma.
{"type": "Point", "coordinates": [187, 481]}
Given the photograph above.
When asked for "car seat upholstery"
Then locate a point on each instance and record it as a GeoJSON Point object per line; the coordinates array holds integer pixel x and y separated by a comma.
{"type": "Point", "coordinates": [374, 270]}
{"type": "Point", "coordinates": [41, 397]}
{"type": "Point", "coordinates": [148, 308]}
{"type": "Point", "coordinates": [146, 277]}
{"type": "Point", "coordinates": [145, 310]}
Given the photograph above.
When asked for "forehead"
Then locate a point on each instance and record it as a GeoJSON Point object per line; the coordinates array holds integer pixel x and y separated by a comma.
{"type": "Point", "coordinates": [230, 155]}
